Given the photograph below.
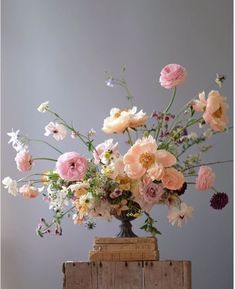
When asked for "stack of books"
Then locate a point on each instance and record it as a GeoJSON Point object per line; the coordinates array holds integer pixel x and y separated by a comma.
{"type": "Point", "coordinates": [124, 249]}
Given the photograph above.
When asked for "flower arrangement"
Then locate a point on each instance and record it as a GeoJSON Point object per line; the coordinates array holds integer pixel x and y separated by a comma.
{"type": "Point", "coordinates": [155, 169]}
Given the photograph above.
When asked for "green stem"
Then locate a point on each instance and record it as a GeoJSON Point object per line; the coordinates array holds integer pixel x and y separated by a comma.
{"type": "Point", "coordinates": [129, 136]}
{"type": "Point", "coordinates": [206, 164]}
{"type": "Point", "coordinates": [157, 131]}
{"type": "Point", "coordinates": [80, 136]}
{"type": "Point", "coordinates": [30, 176]}
{"type": "Point", "coordinates": [38, 140]}
{"type": "Point", "coordinates": [171, 102]}
{"type": "Point", "coordinates": [45, 159]}
{"type": "Point", "coordinates": [65, 213]}
{"type": "Point", "coordinates": [182, 129]}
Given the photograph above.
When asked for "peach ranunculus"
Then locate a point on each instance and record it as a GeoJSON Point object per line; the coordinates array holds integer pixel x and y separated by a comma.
{"type": "Point", "coordinates": [214, 109]}
{"type": "Point", "coordinates": [119, 120]}
{"type": "Point", "coordinates": [172, 75]}
{"type": "Point", "coordinates": [143, 157]}
{"type": "Point", "coordinates": [28, 191]}
{"type": "Point", "coordinates": [205, 179]}
{"type": "Point", "coordinates": [172, 179]}
{"type": "Point", "coordinates": [215, 114]}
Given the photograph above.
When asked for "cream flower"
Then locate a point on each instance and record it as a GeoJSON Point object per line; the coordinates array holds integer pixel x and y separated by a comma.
{"type": "Point", "coordinates": [119, 120]}
{"type": "Point", "coordinates": [43, 107]}
{"type": "Point", "coordinates": [179, 216]}
{"type": "Point", "coordinates": [79, 189]}
{"type": "Point", "coordinates": [10, 185]}
{"type": "Point", "coordinates": [200, 104]}
{"type": "Point", "coordinates": [137, 119]}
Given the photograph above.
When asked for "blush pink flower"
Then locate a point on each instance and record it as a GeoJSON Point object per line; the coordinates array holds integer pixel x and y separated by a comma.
{"type": "Point", "coordinates": [172, 179]}
{"type": "Point", "coordinates": [24, 161]}
{"type": "Point", "coordinates": [215, 114]}
{"type": "Point", "coordinates": [71, 166]}
{"type": "Point", "coordinates": [152, 193]}
{"type": "Point", "coordinates": [180, 215]}
{"type": "Point", "coordinates": [29, 192]}
{"type": "Point", "coordinates": [205, 179]}
{"type": "Point", "coordinates": [58, 131]}
{"type": "Point", "coordinates": [172, 75]}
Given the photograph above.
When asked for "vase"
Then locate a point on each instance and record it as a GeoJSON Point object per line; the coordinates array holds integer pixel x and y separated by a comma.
{"type": "Point", "coordinates": [125, 226]}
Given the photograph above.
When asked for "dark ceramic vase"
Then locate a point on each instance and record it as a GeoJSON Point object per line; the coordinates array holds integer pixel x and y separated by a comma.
{"type": "Point", "coordinates": [125, 226]}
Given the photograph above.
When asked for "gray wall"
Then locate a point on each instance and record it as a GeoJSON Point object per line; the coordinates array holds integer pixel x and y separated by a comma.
{"type": "Point", "coordinates": [58, 50]}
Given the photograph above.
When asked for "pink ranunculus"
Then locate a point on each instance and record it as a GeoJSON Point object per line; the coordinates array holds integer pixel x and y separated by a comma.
{"type": "Point", "coordinates": [71, 166]}
{"type": "Point", "coordinates": [205, 179]}
{"type": "Point", "coordinates": [172, 75]}
{"type": "Point", "coordinates": [172, 179]}
{"type": "Point", "coordinates": [24, 161]}
{"type": "Point", "coordinates": [152, 193]}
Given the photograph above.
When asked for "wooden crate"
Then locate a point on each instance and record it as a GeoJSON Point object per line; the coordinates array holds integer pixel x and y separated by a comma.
{"type": "Point", "coordinates": [127, 275]}
{"type": "Point", "coordinates": [124, 249]}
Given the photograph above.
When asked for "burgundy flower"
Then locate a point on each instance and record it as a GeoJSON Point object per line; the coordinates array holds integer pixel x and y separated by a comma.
{"type": "Point", "coordinates": [181, 190]}
{"type": "Point", "coordinates": [219, 201]}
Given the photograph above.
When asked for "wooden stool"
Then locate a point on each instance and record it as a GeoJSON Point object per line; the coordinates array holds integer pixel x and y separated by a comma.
{"type": "Point", "coordinates": [127, 275]}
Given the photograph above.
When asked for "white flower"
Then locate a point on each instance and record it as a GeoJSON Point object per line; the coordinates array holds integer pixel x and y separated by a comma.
{"type": "Point", "coordinates": [91, 132]}
{"type": "Point", "coordinates": [57, 130]}
{"type": "Point", "coordinates": [11, 185]}
{"type": "Point", "coordinates": [179, 216]}
{"type": "Point", "coordinates": [208, 133]}
{"type": "Point", "coordinates": [57, 199]}
{"type": "Point", "coordinates": [17, 142]}
{"type": "Point", "coordinates": [105, 152]}
{"type": "Point", "coordinates": [193, 136]}
{"type": "Point", "coordinates": [102, 210]}
{"type": "Point", "coordinates": [87, 200]}
{"type": "Point", "coordinates": [43, 107]}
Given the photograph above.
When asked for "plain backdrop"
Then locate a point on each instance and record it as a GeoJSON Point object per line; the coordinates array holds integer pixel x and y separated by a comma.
{"type": "Point", "coordinates": [58, 50]}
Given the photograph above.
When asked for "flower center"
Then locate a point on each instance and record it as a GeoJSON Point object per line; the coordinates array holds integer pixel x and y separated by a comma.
{"type": "Point", "coordinates": [72, 165]}
{"type": "Point", "coordinates": [218, 113]}
{"type": "Point", "coordinates": [117, 114]}
{"type": "Point", "coordinates": [147, 160]}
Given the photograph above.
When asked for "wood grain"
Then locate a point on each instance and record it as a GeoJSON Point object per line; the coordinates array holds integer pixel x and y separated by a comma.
{"type": "Point", "coordinates": [128, 275]}
{"type": "Point", "coordinates": [120, 275]}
